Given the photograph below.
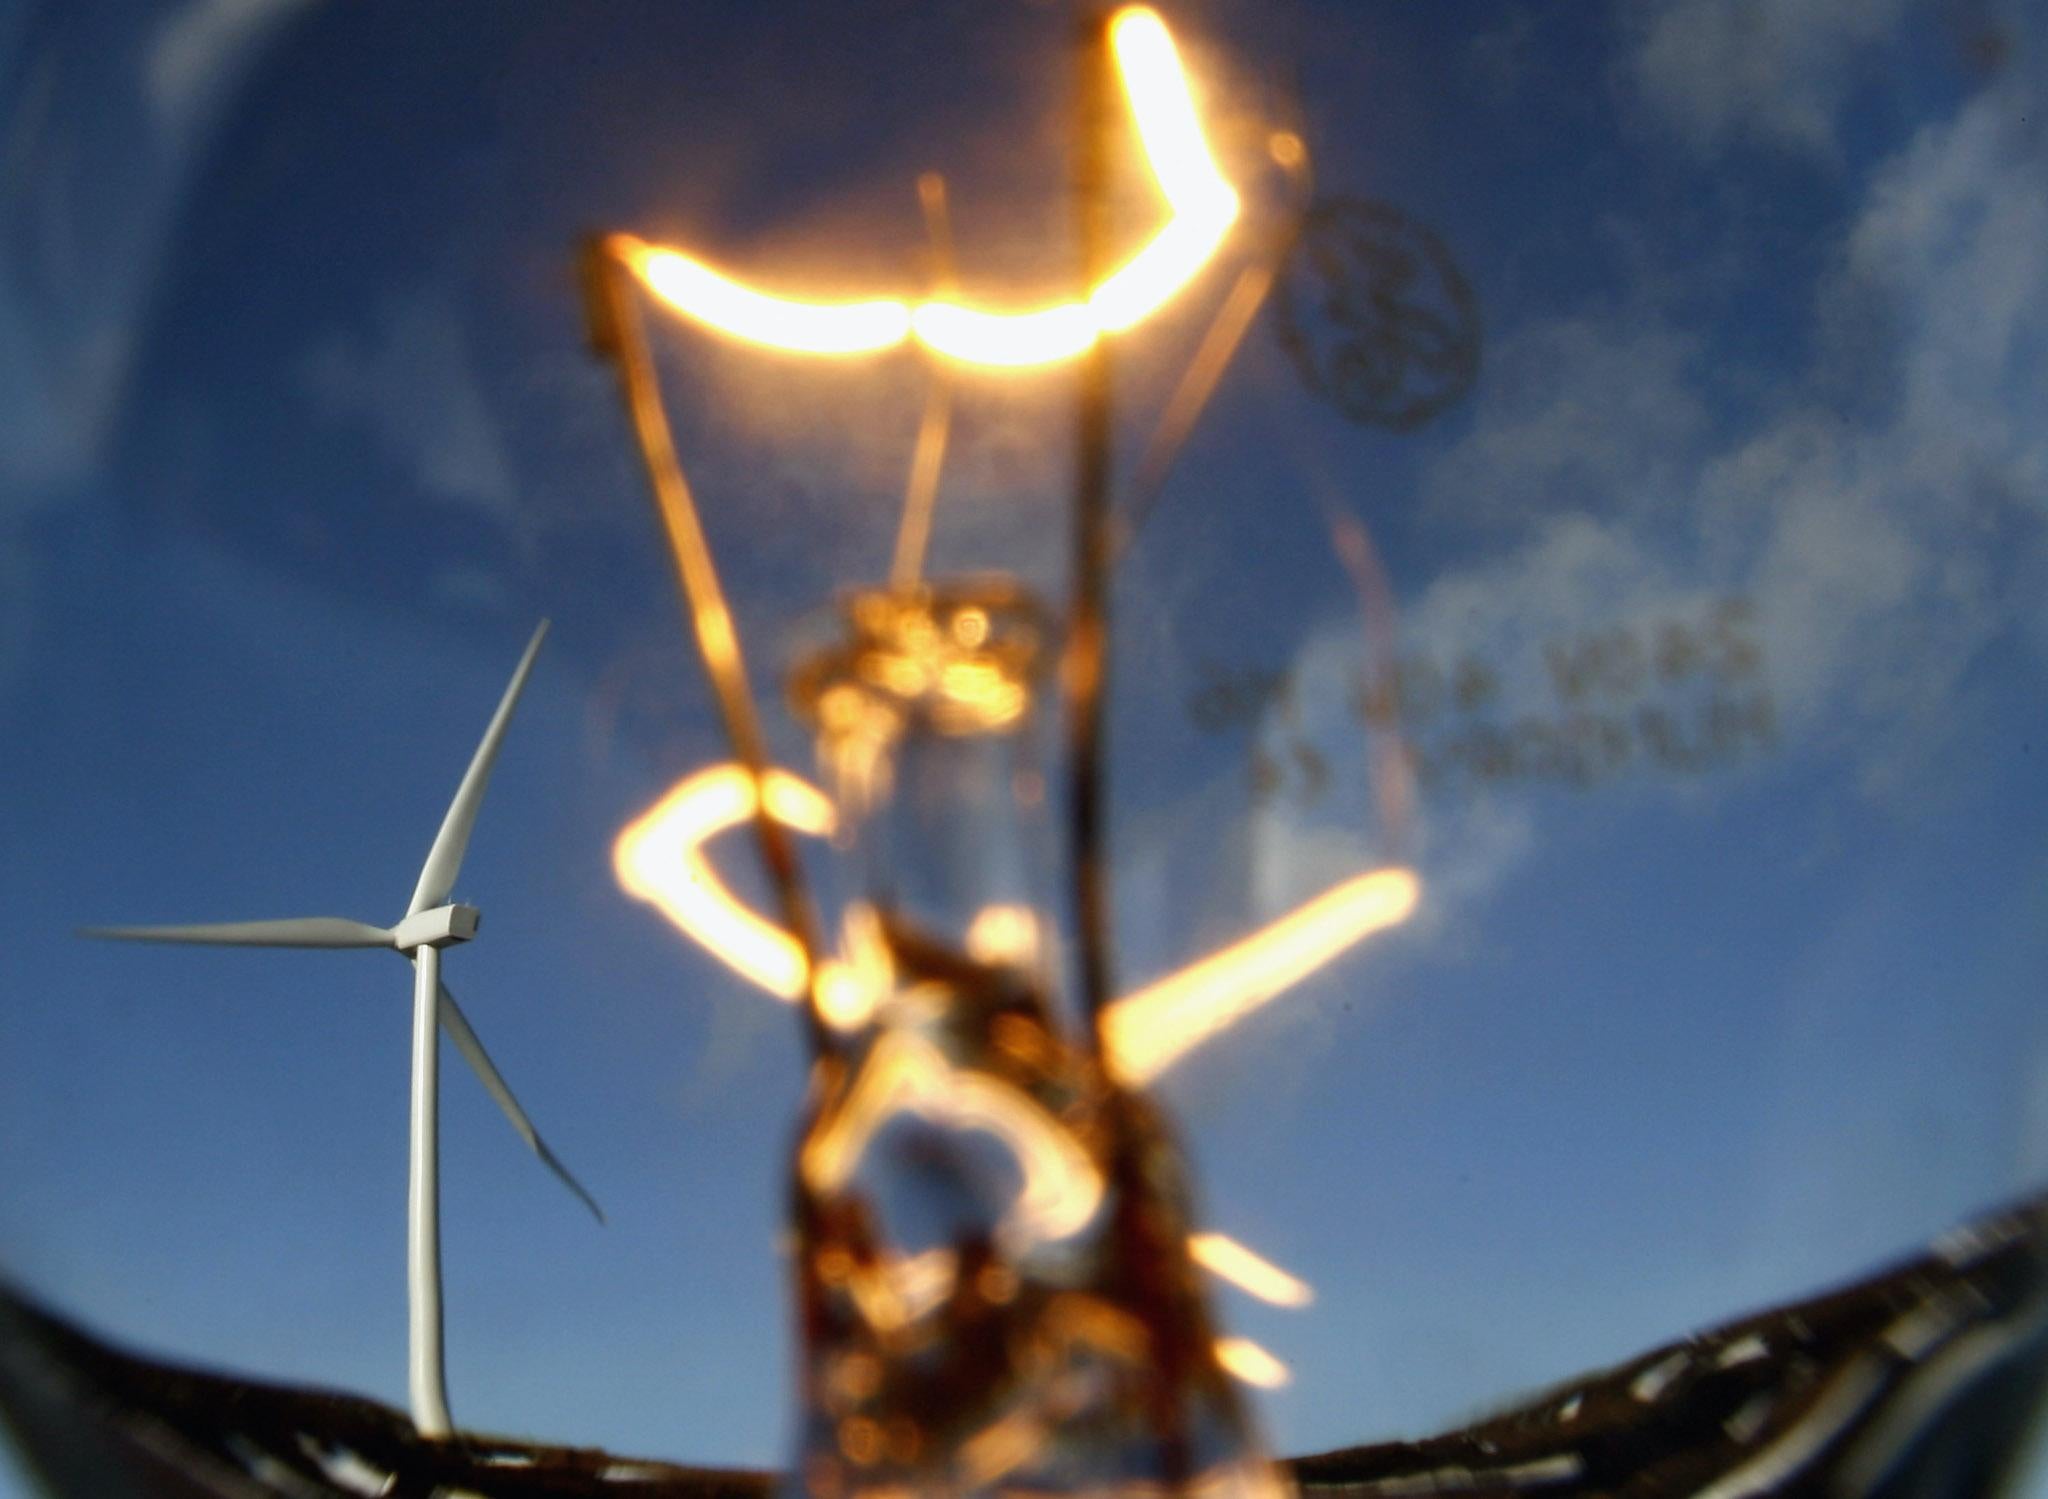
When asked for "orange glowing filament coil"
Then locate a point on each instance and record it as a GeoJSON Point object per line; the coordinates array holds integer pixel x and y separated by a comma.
{"type": "Point", "coordinates": [1246, 1361]}
{"type": "Point", "coordinates": [1146, 1031]}
{"type": "Point", "coordinates": [1251, 1272]}
{"type": "Point", "coordinates": [1203, 207]}
{"type": "Point", "coordinates": [660, 858]}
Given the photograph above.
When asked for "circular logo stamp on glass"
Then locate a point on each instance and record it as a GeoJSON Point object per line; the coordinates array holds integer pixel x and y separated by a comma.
{"type": "Point", "coordinates": [1376, 315]}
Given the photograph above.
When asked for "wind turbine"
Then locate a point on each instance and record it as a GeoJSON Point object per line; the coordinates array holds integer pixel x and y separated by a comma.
{"type": "Point", "coordinates": [430, 924]}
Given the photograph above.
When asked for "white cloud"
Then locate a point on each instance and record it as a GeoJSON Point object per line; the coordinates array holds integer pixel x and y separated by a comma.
{"type": "Point", "coordinates": [411, 382]}
{"type": "Point", "coordinates": [1769, 71]}
{"type": "Point", "coordinates": [1603, 406]}
{"type": "Point", "coordinates": [95, 153]}
{"type": "Point", "coordinates": [1301, 845]}
{"type": "Point", "coordinates": [1954, 231]}
{"type": "Point", "coordinates": [95, 149]}
{"type": "Point", "coordinates": [1882, 551]}
{"type": "Point", "coordinates": [202, 51]}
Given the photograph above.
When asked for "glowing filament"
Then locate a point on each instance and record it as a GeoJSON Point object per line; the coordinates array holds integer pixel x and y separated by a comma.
{"type": "Point", "coordinates": [1005, 340]}
{"type": "Point", "coordinates": [1202, 203]}
{"type": "Point", "coordinates": [1061, 1187]}
{"type": "Point", "coordinates": [1146, 1032]}
{"type": "Point", "coordinates": [804, 327]}
{"type": "Point", "coordinates": [1004, 934]}
{"type": "Point", "coordinates": [659, 858]}
{"type": "Point", "coordinates": [1254, 1274]}
{"type": "Point", "coordinates": [1247, 1362]}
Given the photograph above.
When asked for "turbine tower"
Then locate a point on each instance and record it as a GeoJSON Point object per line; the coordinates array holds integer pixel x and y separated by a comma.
{"type": "Point", "coordinates": [430, 924]}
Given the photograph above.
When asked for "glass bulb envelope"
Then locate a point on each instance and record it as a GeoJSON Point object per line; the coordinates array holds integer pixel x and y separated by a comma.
{"type": "Point", "coordinates": [1571, 825]}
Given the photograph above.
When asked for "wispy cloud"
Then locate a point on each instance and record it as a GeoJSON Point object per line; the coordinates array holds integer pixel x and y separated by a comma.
{"type": "Point", "coordinates": [1773, 72]}
{"type": "Point", "coordinates": [1598, 409]}
{"type": "Point", "coordinates": [96, 147]}
{"type": "Point", "coordinates": [201, 51]}
{"type": "Point", "coordinates": [1883, 541]}
{"type": "Point", "coordinates": [410, 382]}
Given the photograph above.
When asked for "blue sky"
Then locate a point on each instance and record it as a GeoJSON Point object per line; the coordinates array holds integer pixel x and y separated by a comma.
{"type": "Point", "coordinates": [298, 439]}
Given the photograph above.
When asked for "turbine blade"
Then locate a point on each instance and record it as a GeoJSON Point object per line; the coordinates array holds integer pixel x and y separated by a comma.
{"type": "Point", "coordinates": [292, 931]}
{"type": "Point", "coordinates": [444, 859]}
{"type": "Point", "coordinates": [456, 1024]}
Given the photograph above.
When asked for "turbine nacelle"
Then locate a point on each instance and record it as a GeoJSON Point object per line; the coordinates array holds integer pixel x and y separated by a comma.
{"type": "Point", "coordinates": [442, 926]}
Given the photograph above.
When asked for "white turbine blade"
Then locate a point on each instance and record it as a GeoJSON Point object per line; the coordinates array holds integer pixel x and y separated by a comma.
{"type": "Point", "coordinates": [456, 1024]}
{"type": "Point", "coordinates": [444, 859]}
{"type": "Point", "coordinates": [292, 931]}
